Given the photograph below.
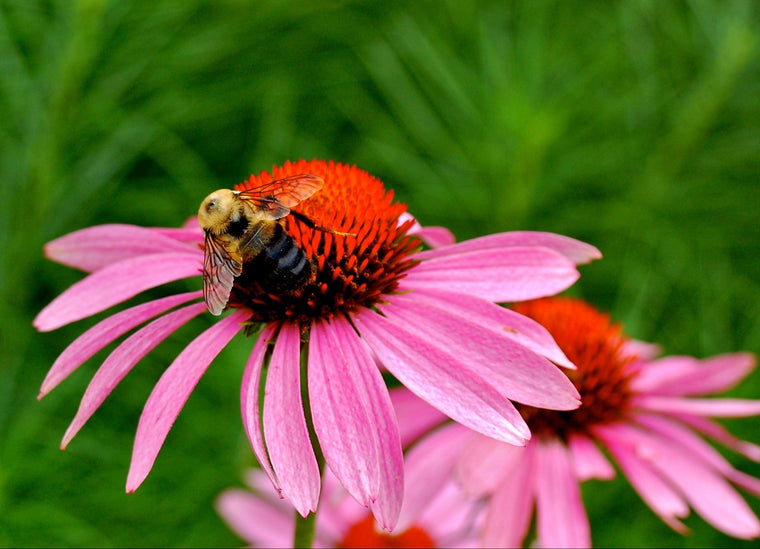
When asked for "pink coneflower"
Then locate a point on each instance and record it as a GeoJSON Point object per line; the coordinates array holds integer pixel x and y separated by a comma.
{"type": "Point", "coordinates": [262, 519]}
{"type": "Point", "coordinates": [373, 299]}
{"type": "Point", "coordinates": [646, 413]}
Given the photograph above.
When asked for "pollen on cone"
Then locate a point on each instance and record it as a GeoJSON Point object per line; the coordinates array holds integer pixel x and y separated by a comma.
{"type": "Point", "coordinates": [348, 271]}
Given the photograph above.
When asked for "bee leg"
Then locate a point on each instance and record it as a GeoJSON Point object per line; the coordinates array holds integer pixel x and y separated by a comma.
{"type": "Point", "coordinates": [309, 223]}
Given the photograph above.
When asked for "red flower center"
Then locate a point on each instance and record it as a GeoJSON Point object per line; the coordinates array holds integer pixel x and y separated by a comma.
{"type": "Point", "coordinates": [595, 346]}
{"type": "Point", "coordinates": [347, 272]}
{"type": "Point", "coordinates": [364, 534]}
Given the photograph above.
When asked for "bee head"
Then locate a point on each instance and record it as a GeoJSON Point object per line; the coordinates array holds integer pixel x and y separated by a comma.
{"type": "Point", "coordinates": [217, 211]}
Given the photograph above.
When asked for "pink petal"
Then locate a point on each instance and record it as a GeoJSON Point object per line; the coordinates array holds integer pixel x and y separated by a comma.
{"type": "Point", "coordinates": [439, 377]}
{"type": "Point", "coordinates": [96, 247]}
{"type": "Point", "coordinates": [511, 506]}
{"type": "Point", "coordinates": [656, 492]}
{"type": "Point", "coordinates": [561, 519]}
{"type": "Point", "coordinates": [463, 519]}
{"type": "Point", "coordinates": [256, 520]}
{"type": "Point", "coordinates": [720, 434]}
{"type": "Point", "coordinates": [415, 416]}
{"type": "Point", "coordinates": [506, 275]}
{"type": "Point", "coordinates": [715, 407]}
{"type": "Point", "coordinates": [429, 465]}
{"type": "Point", "coordinates": [338, 511]}
{"type": "Point", "coordinates": [506, 322]}
{"type": "Point", "coordinates": [485, 463]}
{"type": "Point", "coordinates": [191, 223]}
{"type": "Point", "coordinates": [191, 233]}
{"type": "Point", "coordinates": [249, 400]}
{"type": "Point", "coordinates": [285, 431]}
{"type": "Point", "coordinates": [434, 237]}
{"type": "Point", "coordinates": [687, 442]}
{"type": "Point", "coordinates": [515, 371]}
{"type": "Point", "coordinates": [641, 349]}
{"type": "Point", "coordinates": [354, 419]}
{"type": "Point", "coordinates": [114, 284]}
{"type": "Point", "coordinates": [261, 484]}
{"type": "Point", "coordinates": [103, 333]}
{"type": "Point", "coordinates": [588, 461]}
{"type": "Point", "coordinates": [122, 360]}
{"type": "Point", "coordinates": [705, 489]}
{"type": "Point", "coordinates": [576, 251]}
{"type": "Point", "coordinates": [172, 391]}
{"type": "Point", "coordinates": [745, 481]}
{"type": "Point", "coordinates": [686, 376]}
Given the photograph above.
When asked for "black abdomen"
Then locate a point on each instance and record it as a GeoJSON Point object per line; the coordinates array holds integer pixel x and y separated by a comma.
{"type": "Point", "coordinates": [281, 264]}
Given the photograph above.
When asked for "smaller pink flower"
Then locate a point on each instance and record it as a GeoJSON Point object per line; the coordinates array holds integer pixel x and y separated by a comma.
{"type": "Point", "coordinates": [645, 413]}
{"type": "Point", "coordinates": [262, 519]}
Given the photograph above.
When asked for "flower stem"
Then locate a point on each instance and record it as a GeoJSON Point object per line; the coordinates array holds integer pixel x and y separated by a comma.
{"type": "Point", "coordinates": [304, 531]}
{"type": "Point", "coordinates": [303, 534]}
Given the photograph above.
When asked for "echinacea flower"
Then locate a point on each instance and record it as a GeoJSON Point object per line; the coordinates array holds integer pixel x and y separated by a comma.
{"type": "Point", "coordinates": [262, 519]}
{"type": "Point", "coordinates": [646, 413]}
{"type": "Point", "coordinates": [373, 299]}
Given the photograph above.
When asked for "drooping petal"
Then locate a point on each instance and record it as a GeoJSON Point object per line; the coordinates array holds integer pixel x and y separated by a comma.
{"type": "Point", "coordinates": [515, 371]}
{"type": "Point", "coordinates": [249, 400]}
{"type": "Point", "coordinates": [285, 430]}
{"type": "Point", "coordinates": [354, 419]}
{"type": "Point", "coordinates": [262, 485]}
{"type": "Point", "coordinates": [744, 481]}
{"type": "Point", "coordinates": [511, 506]}
{"type": "Point", "coordinates": [561, 519]}
{"type": "Point", "coordinates": [588, 461]}
{"type": "Point", "coordinates": [505, 275]}
{"type": "Point", "coordinates": [172, 391]}
{"type": "Point", "coordinates": [260, 522]}
{"type": "Point", "coordinates": [114, 284]}
{"type": "Point", "coordinates": [103, 333]}
{"type": "Point", "coordinates": [506, 322]}
{"type": "Point", "coordinates": [703, 487]}
{"type": "Point", "coordinates": [576, 251]}
{"type": "Point", "coordinates": [415, 416]}
{"type": "Point", "coordinates": [687, 441]}
{"type": "Point", "coordinates": [484, 463]}
{"type": "Point", "coordinates": [96, 247]}
{"type": "Point", "coordinates": [720, 434]}
{"type": "Point", "coordinates": [440, 378]}
{"type": "Point", "coordinates": [710, 407]}
{"type": "Point", "coordinates": [658, 494]}
{"type": "Point", "coordinates": [122, 360]}
{"type": "Point", "coordinates": [687, 376]}
{"type": "Point", "coordinates": [428, 466]}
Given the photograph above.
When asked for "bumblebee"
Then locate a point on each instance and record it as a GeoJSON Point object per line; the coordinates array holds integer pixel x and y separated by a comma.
{"type": "Point", "coordinates": [244, 228]}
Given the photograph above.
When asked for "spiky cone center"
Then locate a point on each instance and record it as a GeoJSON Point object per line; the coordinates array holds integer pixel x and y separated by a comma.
{"type": "Point", "coordinates": [348, 272]}
{"type": "Point", "coordinates": [365, 534]}
{"type": "Point", "coordinates": [596, 346]}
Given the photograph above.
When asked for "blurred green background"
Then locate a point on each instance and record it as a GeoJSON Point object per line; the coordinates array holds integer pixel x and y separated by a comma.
{"type": "Point", "coordinates": [634, 126]}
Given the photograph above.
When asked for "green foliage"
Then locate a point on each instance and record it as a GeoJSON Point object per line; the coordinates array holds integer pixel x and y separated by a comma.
{"type": "Point", "coordinates": [634, 126]}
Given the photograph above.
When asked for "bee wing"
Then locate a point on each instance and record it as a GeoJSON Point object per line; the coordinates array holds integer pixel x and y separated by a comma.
{"type": "Point", "coordinates": [277, 197]}
{"type": "Point", "coordinates": [219, 272]}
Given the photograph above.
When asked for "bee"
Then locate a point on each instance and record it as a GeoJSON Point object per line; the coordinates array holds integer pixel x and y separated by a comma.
{"type": "Point", "coordinates": [244, 228]}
